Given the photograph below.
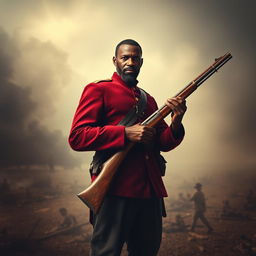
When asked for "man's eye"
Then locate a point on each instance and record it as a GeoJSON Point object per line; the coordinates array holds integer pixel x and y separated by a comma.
{"type": "Point", "coordinates": [125, 58]}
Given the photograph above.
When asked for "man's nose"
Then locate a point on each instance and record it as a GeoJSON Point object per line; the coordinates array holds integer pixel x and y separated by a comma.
{"type": "Point", "coordinates": [130, 62]}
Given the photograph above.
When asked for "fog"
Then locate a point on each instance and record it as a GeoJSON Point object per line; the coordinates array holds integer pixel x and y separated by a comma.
{"type": "Point", "coordinates": [49, 50]}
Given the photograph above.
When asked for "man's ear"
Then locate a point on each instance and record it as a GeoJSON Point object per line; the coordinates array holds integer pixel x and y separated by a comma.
{"type": "Point", "coordinates": [141, 62]}
{"type": "Point", "coordinates": [114, 60]}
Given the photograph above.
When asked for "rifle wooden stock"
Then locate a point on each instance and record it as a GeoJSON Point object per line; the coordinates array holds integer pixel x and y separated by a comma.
{"type": "Point", "coordinates": [94, 195]}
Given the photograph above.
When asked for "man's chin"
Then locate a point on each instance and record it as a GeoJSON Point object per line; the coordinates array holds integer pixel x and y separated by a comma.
{"type": "Point", "coordinates": [130, 79]}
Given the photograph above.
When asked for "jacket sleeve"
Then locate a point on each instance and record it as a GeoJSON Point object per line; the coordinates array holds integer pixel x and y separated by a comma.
{"type": "Point", "coordinates": [167, 140]}
{"type": "Point", "coordinates": [86, 131]}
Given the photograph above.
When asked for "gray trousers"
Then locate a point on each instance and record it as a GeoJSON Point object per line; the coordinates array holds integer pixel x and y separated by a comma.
{"type": "Point", "coordinates": [200, 215]}
{"type": "Point", "coordinates": [137, 222]}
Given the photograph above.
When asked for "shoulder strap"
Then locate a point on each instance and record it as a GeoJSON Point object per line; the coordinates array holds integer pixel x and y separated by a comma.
{"type": "Point", "coordinates": [136, 111]}
{"type": "Point", "coordinates": [131, 117]}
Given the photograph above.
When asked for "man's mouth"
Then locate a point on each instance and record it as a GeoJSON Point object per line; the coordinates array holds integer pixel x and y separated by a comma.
{"type": "Point", "coordinates": [129, 70]}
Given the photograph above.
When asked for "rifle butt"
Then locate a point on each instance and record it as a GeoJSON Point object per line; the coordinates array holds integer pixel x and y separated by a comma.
{"type": "Point", "coordinates": [87, 199]}
{"type": "Point", "coordinates": [94, 195]}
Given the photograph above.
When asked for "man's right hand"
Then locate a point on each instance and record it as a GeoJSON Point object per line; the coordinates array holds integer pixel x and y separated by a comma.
{"type": "Point", "coordinates": [140, 133]}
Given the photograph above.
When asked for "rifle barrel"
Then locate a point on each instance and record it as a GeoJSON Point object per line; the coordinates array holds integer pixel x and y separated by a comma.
{"type": "Point", "coordinates": [163, 111]}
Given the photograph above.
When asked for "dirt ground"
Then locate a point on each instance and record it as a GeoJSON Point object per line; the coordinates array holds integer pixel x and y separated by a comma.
{"type": "Point", "coordinates": [30, 211]}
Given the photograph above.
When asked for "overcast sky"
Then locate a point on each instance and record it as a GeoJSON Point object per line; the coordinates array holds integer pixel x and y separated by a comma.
{"type": "Point", "coordinates": [49, 50]}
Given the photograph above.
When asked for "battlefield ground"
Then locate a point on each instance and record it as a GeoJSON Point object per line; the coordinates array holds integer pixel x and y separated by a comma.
{"type": "Point", "coordinates": [31, 222]}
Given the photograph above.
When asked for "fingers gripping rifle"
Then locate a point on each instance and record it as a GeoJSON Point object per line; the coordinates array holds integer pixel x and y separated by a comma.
{"type": "Point", "coordinates": [94, 195]}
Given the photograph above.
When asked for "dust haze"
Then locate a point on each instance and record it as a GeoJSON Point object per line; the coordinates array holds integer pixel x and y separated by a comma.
{"type": "Point", "coordinates": [25, 141]}
{"type": "Point", "coordinates": [51, 49]}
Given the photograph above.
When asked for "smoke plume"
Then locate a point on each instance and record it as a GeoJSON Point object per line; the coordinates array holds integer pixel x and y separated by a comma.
{"type": "Point", "coordinates": [24, 140]}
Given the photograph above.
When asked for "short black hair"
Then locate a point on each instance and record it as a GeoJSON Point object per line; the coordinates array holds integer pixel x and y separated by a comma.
{"type": "Point", "coordinates": [129, 42]}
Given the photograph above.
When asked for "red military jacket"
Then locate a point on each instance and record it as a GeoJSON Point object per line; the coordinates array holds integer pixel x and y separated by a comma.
{"type": "Point", "coordinates": [102, 106]}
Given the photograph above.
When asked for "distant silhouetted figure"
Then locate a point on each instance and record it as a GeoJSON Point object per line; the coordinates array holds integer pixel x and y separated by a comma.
{"type": "Point", "coordinates": [5, 187]}
{"type": "Point", "coordinates": [250, 203]}
{"type": "Point", "coordinates": [227, 211]}
{"type": "Point", "coordinates": [69, 220]}
{"type": "Point", "coordinates": [200, 208]}
{"type": "Point", "coordinates": [182, 198]}
{"type": "Point", "coordinates": [180, 224]}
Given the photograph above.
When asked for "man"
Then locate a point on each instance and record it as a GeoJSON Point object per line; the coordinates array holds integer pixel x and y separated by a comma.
{"type": "Point", "coordinates": [200, 208]}
{"type": "Point", "coordinates": [132, 211]}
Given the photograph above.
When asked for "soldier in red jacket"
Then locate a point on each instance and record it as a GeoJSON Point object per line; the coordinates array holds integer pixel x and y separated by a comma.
{"type": "Point", "coordinates": [132, 211]}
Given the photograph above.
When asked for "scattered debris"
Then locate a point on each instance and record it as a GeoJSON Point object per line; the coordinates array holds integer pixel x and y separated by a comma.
{"type": "Point", "coordinates": [177, 226]}
{"type": "Point", "coordinates": [68, 226]}
{"type": "Point", "coordinates": [246, 246]}
{"type": "Point", "coordinates": [74, 230]}
{"type": "Point", "coordinates": [229, 213]}
{"type": "Point", "coordinates": [198, 236]}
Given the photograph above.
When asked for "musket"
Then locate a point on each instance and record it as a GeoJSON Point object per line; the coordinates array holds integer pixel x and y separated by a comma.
{"type": "Point", "coordinates": [94, 195]}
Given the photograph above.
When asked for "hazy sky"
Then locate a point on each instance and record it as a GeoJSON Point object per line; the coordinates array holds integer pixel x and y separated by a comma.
{"type": "Point", "coordinates": [49, 50]}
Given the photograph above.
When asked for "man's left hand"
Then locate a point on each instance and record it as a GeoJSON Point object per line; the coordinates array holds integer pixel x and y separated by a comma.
{"type": "Point", "coordinates": [178, 107]}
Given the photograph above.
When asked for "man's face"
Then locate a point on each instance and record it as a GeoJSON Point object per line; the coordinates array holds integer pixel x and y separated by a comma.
{"type": "Point", "coordinates": [128, 63]}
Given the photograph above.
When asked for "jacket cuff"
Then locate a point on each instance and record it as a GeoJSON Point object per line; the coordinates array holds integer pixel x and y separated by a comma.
{"type": "Point", "coordinates": [178, 135]}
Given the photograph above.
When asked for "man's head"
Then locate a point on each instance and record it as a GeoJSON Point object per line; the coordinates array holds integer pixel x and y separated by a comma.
{"type": "Point", "coordinates": [198, 186]}
{"type": "Point", "coordinates": [128, 60]}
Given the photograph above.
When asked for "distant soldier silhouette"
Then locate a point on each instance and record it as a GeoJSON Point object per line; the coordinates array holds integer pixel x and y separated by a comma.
{"type": "Point", "coordinates": [250, 203]}
{"type": "Point", "coordinates": [226, 209]}
{"type": "Point", "coordinates": [5, 186]}
{"type": "Point", "coordinates": [69, 220]}
{"type": "Point", "coordinates": [180, 224]}
{"type": "Point", "coordinates": [200, 208]}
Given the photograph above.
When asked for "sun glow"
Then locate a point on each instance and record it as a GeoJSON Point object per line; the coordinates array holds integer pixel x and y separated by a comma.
{"type": "Point", "coordinates": [54, 29]}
